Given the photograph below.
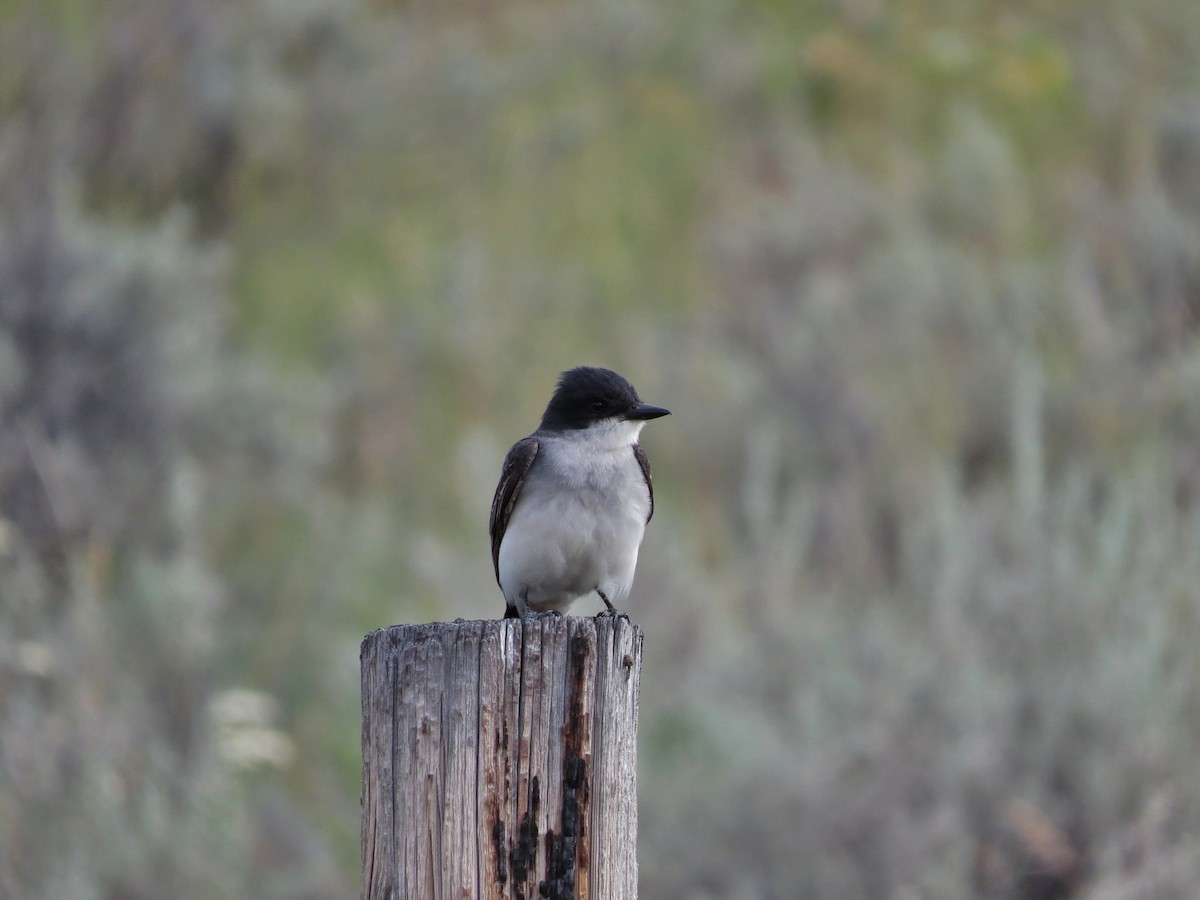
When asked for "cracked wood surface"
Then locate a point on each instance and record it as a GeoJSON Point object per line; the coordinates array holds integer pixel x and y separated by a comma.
{"type": "Point", "coordinates": [499, 760]}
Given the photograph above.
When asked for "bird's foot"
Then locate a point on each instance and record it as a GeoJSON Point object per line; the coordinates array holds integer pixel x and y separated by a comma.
{"type": "Point", "coordinates": [609, 609]}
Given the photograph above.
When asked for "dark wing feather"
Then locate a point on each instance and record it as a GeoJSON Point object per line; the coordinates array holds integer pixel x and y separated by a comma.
{"type": "Point", "coordinates": [640, 455]}
{"type": "Point", "coordinates": [512, 476]}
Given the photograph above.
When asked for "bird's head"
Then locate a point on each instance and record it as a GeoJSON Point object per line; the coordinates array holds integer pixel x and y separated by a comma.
{"type": "Point", "coordinates": [587, 395]}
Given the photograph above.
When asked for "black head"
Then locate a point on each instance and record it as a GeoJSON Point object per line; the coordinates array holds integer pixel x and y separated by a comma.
{"type": "Point", "coordinates": [587, 395]}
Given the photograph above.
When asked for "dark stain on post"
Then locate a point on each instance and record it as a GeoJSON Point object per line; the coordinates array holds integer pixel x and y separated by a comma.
{"type": "Point", "coordinates": [573, 730]}
{"type": "Point", "coordinates": [524, 854]}
{"type": "Point", "coordinates": [501, 856]}
{"type": "Point", "coordinates": [563, 850]}
{"type": "Point", "coordinates": [566, 851]}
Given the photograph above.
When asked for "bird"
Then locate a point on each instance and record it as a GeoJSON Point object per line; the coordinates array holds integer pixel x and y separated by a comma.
{"type": "Point", "coordinates": [574, 497]}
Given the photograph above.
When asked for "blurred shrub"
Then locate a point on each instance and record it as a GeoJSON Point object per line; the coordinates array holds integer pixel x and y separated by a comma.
{"type": "Point", "coordinates": [115, 393]}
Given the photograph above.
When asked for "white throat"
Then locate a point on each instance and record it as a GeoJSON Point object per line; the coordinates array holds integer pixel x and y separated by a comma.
{"type": "Point", "coordinates": [586, 454]}
{"type": "Point", "coordinates": [607, 434]}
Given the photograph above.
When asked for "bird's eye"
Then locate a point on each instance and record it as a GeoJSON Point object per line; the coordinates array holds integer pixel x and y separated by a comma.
{"type": "Point", "coordinates": [597, 406]}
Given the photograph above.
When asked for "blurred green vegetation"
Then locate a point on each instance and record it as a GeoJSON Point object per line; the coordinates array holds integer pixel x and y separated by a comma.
{"type": "Point", "coordinates": [280, 282]}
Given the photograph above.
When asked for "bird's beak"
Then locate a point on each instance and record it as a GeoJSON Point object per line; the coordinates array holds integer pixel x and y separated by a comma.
{"type": "Point", "coordinates": [643, 411]}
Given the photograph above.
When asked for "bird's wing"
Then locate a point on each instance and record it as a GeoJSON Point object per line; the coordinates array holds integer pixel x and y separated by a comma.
{"type": "Point", "coordinates": [512, 476]}
{"type": "Point", "coordinates": [640, 455]}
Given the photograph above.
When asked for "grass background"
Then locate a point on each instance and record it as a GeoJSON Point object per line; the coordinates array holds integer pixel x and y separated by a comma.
{"type": "Point", "coordinates": [281, 281]}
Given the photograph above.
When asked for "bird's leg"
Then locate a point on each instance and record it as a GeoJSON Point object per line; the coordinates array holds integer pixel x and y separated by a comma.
{"type": "Point", "coordinates": [612, 610]}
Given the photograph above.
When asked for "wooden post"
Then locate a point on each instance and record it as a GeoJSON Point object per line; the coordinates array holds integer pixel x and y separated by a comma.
{"type": "Point", "coordinates": [499, 760]}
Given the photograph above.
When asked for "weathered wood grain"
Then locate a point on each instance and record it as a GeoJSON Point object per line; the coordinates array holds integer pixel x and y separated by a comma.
{"type": "Point", "coordinates": [500, 760]}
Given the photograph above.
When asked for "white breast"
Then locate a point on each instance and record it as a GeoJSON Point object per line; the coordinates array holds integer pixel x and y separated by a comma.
{"type": "Point", "coordinates": [579, 520]}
